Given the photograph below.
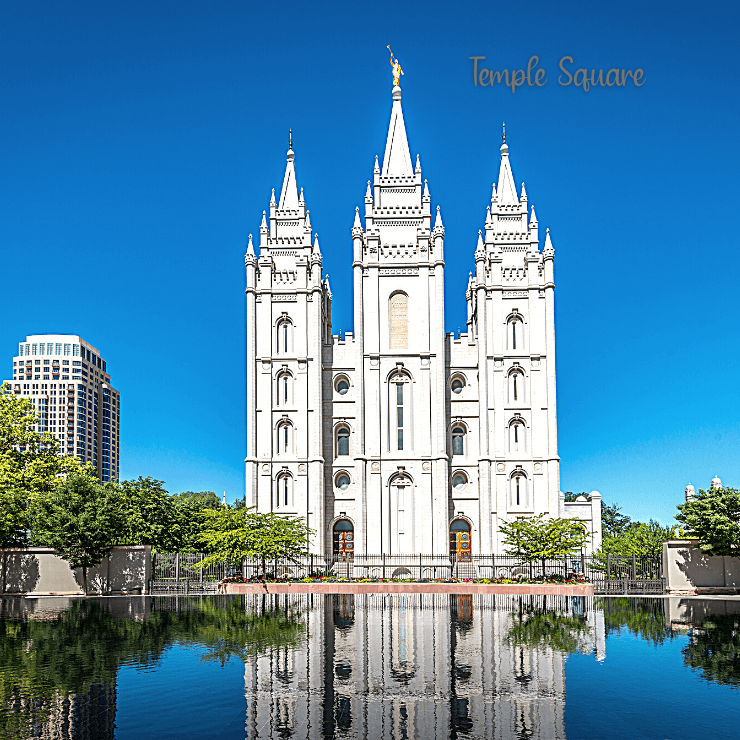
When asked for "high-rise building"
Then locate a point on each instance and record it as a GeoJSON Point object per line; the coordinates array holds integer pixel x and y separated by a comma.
{"type": "Point", "coordinates": [398, 437]}
{"type": "Point", "coordinates": [68, 383]}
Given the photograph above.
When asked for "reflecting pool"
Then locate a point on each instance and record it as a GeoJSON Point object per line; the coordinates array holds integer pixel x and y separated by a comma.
{"type": "Point", "coordinates": [374, 666]}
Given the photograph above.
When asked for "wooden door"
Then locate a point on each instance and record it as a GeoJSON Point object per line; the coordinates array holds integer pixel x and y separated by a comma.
{"type": "Point", "coordinates": [460, 543]}
{"type": "Point", "coordinates": [344, 544]}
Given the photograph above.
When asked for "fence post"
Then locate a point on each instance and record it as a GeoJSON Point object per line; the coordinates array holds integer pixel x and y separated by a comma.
{"type": "Point", "coordinates": [311, 571]}
{"type": "Point", "coordinates": [201, 575]}
{"type": "Point", "coordinates": [383, 566]}
{"type": "Point", "coordinates": [419, 566]}
{"type": "Point", "coordinates": [634, 567]}
{"type": "Point", "coordinates": [177, 567]}
{"type": "Point", "coordinates": [608, 568]}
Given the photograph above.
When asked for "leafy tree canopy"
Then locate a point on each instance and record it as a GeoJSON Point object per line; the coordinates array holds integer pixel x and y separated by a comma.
{"type": "Point", "coordinates": [234, 535]}
{"type": "Point", "coordinates": [714, 518]}
{"type": "Point", "coordinates": [82, 519]}
{"type": "Point", "coordinates": [151, 516]}
{"type": "Point", "coordinates": [714, 650]}
{"type": "Point", "coordinates": [541, 538]}
{"type": "Point", "coordinates": [30, 464]}
{"type": "Point", "coordinates": [639, 538]}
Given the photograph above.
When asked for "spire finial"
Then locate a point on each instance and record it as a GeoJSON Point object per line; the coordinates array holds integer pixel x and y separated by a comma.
{"type": "Point", "coordinates": [503, 125]}
{"type": "Point", "coordinates": [290, 138]}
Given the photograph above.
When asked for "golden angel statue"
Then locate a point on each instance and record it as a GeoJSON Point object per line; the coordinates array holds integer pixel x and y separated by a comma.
{"type": "Point", "coordinates": [396, 67]}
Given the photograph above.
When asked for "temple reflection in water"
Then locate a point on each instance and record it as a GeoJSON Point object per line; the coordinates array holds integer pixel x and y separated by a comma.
{"type": "Point", "coordinates": [421, 666]}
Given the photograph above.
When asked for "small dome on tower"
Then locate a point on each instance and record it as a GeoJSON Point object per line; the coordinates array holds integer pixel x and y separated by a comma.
{"type": "Point", "coordinates": [716, 482]}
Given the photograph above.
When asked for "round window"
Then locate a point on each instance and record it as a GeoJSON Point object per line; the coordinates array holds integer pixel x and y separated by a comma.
{"type": "Point", "coordinates": [342, 387]}
{"type": "Point", "coordinates": [343, 482]}
{"type": "Point", "coordinates": [457, 385]}
{"type": "Point", "coordinates": [459, 481]}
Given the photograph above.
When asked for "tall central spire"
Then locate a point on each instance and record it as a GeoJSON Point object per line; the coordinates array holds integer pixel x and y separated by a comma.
{"type": "Point", "coordinates": [397, 159]}
{"type": "Point", "coordinates": [289, 193]}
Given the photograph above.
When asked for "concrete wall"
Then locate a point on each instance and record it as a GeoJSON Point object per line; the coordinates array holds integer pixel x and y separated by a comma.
{"type": "Point", "coordinates": [689, 571]}
{"type": "Point", "coordinates": [39, 571]}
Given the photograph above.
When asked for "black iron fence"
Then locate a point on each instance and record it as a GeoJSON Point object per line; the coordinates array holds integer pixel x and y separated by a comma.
{"type": "Point", "coordinates": [179, 573]}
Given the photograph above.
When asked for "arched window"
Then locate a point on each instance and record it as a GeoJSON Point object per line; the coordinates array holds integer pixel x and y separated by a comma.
{"type": "Point", "coordinates": [519, 494]}
{"type": "Point", "coordinates": [283, 389]}
{"type": "Point", "coordinates": [284, 438]}
{"type": "Point", "coordinates": [342, 386]}
{"type": "Point", "coordinates": [515, 332]}
{"type": "Point", "coordinates": [342, 481]}
{"type": "Point", "coordinates": [283, 336]}
{"type": "Point", "coordinates": [517, 436]}
{"type": "Point", "coordinates": [458, 440]}
{"type": "Point", "coordinates": [457, 384]}
{"type": "Point", "coordinates": [459, 481]}
{"type": "Point", "coordinates": [516, 387]}
{"type": "Point", "coordinates": [283, 491]}
{"type": "Point", "coordinates": [399, 321]}
{"type": "Point", "coordinates": [342, 441]}
{"type": "Point", "coordinates": [399, 413]}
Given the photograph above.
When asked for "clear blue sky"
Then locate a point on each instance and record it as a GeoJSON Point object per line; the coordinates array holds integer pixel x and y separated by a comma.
{"type": "Point", "coordinates": [140, 141]}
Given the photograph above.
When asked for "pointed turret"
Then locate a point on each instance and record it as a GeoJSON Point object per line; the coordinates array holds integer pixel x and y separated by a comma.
{"type": "Point", "coordinates": [397, 159]}
{"type": "Point", "coordinates": [426, 190]}
{"type": "Point", "coordinates": [494, 195]}
{"type": "Point", "coordinates": [417, 169]}
{"type": "Point", "coordinates": [250, 248]}
{"type": "Point", "coordinates": [549, 250]}
{"type": "Point", "coordinates": [438, 220]}
{"type": "Point", "coordinates": [357, 224]}
{"type": "Point", "coordinates": [506, 189]}
{"type": "Point", "coordinates": [377, 166]}
{"type": "Point", "coordinates": [533, 218]}
{"type": "Point", "coordinates": [479, 247]}
{"type": "Point", "coordinates": [289, 193]}
{"type": "Point", "coordinates": [272, 199]}
{"type": "Point", "coordinates": [316, 250]}
{"type": "Point", "coordinates": [523, 197]}
{"type": "Point", "coordinates": [307, 225]}
{"type": "Point", "coordinates": [369, 192]}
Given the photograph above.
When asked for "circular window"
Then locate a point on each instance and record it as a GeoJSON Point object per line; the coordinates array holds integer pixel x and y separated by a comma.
{"type": "Point", "coordinates": [459, 481]}
{"type": "Point", "coordinates": [342, 387]}
{"type": "Point", "coordinates": [343, 482]}
{"type": "Point", "coordinates": [457, 385]}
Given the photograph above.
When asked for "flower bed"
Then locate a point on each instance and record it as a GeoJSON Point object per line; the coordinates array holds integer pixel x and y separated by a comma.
{"type": "Point", "coordinates": [554, 579]}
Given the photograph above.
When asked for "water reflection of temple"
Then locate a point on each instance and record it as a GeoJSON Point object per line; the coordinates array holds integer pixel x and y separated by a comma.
{"type": "Point", "coordinates": [421, 666]}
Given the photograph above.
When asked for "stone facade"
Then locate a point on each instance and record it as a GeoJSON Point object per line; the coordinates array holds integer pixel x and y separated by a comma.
{"type": "Point", "coordinates": [398, 430]}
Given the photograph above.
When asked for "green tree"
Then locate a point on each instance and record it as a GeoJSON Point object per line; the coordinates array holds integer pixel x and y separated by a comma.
{"type": "Point", "coordinates": [639, 538]}
{"type": "Point", "coordinates": [613, 521]}
{"type": "Point", "coordinates": [234, 535]}
{"type": "Point", "coordinates": [82, 519]}
{"type": "Point", "coordinates": [713, 517]}
{"type": "Point", "coordinates": [30, 464]}
{"type": "Point", "coordinates": [540, 538]}
{"type": "Point", "coordinates": [189, 508]}
{"type": "Point", "coordinates": [151, 516]}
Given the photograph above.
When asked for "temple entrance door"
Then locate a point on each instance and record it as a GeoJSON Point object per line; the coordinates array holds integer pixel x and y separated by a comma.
{"type": "Point", "coordinates": [344, 540]}
{"type": "Point", "coordinates": [460, 545]}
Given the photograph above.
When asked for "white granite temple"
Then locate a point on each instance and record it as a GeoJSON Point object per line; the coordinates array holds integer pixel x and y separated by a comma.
{"type": "Point", "coordinates": [401, 438]}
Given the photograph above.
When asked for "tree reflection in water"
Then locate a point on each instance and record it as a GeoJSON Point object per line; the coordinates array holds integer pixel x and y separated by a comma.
{"type": "Point", "coordinates": [714, 649]}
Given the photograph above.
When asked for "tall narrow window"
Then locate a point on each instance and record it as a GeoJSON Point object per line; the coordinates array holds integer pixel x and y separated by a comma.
{"type": "Point", "coordinates": [518, 492]}
{"type": "Point", "coordinates": [399, 321]}
{"type": "Point", "coordinates": [343, 441]}
{"type": "Point", "coordinates": [516, 442]}
{"type": "Point", "coordinates": [399, 415]}
{"type": "Point", "coordinates": [285, 390]}
{"type": "Point", "coordinates": [458, 441]}
{"type": "Point", "coordinates": [285, 438]}
{"type": "Point", "coordinates": [513, 334]}
{"type": "Point", "coordinates": [516, 397]}
{"type": "Point", "coordinates": [285, 490]}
